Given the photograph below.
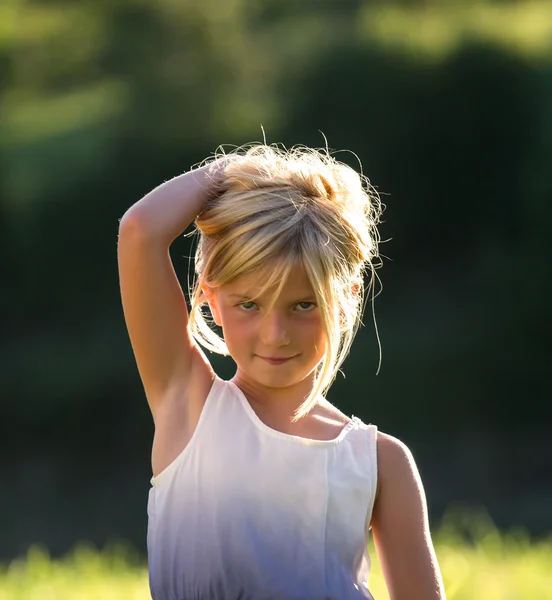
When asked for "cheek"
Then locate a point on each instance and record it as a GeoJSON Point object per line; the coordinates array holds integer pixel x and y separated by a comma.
{"type": "Point", "coordinates": [311, 330]}
{"type": "Point", "coordinates": [236, 330]}
{"type": "Point", "coordinates": [321, 343]}
{"type": "Point", "coordinates": [321, 338]}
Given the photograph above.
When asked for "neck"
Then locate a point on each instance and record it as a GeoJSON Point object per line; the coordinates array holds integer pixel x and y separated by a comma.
{"type": "Point", "coordinates": [278, 403]}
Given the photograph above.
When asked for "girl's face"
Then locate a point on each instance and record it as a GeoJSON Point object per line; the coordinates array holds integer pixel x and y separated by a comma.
{"type": "Point", "coordinates": [276, 348]}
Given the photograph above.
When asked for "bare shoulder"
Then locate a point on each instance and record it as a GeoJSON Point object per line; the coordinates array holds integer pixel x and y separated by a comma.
{"type": "Point", "coordinates": [400, 526]}
{"type": "Point", "coordinates": [331, 413]}
{"type": "Point", "coordinates": [328, 421]}
{"type": "Point", "coordinates": [395, 462]}
{"type": "Point", "coordinates": [177, 417]}
{"type": "Point", "coordinates": [391, 447]}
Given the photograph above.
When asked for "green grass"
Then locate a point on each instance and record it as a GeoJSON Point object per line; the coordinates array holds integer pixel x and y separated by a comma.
{"type": "Point", "coordinates": [477, 562]}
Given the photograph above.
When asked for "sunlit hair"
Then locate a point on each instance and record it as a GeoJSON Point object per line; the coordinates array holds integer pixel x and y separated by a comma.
{"type": "Point", "coordinates": [273, 208]}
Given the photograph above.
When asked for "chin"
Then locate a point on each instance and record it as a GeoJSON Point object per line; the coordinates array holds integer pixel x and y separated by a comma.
{"type": "Point", "coordinates": [278, 380]}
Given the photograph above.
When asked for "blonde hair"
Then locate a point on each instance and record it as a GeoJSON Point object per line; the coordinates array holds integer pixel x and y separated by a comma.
{"type": "Point", "coordinates": [275, 206]}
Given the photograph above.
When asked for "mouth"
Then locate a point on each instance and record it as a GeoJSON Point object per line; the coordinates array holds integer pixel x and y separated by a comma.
{"type": "Point", "coordinates": [272, 360]}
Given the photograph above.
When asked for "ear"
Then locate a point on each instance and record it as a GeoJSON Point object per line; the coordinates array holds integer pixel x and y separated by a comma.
{"type": "Point", "coordinates": [212, 300]}
{"type": "Point", "coordinates": [355, 290]}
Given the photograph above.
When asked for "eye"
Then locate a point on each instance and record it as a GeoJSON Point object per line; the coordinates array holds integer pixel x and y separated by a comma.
{"type": "Point", "coordinates": [306, 306]}
{"type": "Point", "coordinates": [247, 306]}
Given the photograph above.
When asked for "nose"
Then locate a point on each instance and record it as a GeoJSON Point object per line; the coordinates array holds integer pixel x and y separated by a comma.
{"type": "Point", "coordinates": [274, 330]}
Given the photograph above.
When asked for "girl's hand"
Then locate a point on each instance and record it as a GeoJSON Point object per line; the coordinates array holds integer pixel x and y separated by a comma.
{"type": "Point", "coordinates": [215, 173]}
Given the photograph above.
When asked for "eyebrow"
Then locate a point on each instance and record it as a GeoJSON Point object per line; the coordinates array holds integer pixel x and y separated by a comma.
{"type": "Point", "coordinates": [306, 298]}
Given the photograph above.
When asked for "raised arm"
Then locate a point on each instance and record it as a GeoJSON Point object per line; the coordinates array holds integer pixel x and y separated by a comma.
{"type": "Point", "coordinates": [169, 361]}
{"type": "Point", "coordinates": [400, 526]}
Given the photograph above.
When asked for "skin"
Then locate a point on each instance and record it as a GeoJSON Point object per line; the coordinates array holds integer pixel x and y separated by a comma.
{"type": "Point", "coordinates": [400, 526]}
{"type": "Point", "coordinates": [292, 328]}
{"type": "Point", "coordinates": [177, 377]}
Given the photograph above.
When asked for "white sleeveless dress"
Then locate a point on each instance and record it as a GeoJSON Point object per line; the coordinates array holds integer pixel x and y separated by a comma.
{"type": "Point", "coordinates": [246, 512]}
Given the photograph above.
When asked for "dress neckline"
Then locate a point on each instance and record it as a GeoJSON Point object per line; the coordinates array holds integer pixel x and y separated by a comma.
{"type": "Point", "coordinates": [353, 423]}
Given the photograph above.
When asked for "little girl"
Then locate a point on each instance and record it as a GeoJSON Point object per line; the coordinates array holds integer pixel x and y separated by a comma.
{"type": "Point", "coordinates": [261, 488]}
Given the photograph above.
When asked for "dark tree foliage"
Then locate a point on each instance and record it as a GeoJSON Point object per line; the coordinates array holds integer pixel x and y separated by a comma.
{"type": "Point", "coordinates": [102, 101]}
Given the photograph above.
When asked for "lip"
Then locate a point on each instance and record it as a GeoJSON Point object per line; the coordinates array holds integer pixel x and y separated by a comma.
{"type": "Point", "coordinates": [275, 361]}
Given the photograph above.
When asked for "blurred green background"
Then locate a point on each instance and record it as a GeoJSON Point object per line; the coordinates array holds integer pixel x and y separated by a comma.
{"type": "Point", "coordinates": [448, 105]}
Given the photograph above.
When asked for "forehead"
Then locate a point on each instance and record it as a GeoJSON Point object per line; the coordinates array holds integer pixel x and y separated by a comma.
{"type": "Point", "coordinates": [297, 284]}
